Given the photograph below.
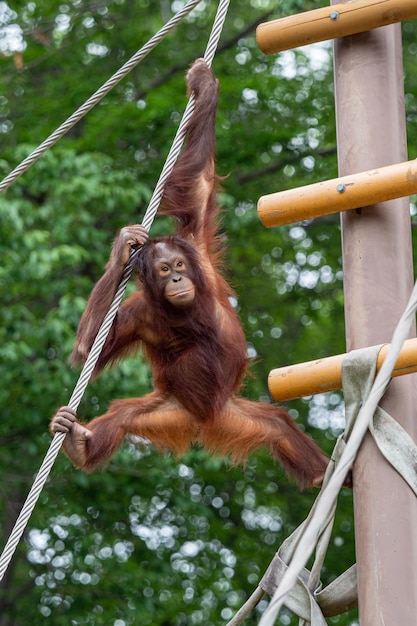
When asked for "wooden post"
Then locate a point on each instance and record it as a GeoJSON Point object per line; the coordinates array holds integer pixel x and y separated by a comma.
{"type": "Point", "coordinates": [377, 262]}
{"type": "Point", "coordinates": [329, 23]}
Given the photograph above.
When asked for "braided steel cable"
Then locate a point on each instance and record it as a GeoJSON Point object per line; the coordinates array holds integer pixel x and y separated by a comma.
{"type": "Point", "coordinates": [97, 346]}
{"type": "Point", "coordinates": [97, 96]}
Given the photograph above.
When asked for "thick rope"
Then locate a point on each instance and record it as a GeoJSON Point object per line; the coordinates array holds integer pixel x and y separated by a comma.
{"type": "Point", "coordinates": [97, 346]}
{"type": "Point", "coordinates": [97, 96]}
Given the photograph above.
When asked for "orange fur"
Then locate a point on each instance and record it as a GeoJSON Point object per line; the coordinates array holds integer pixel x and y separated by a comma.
{"type": "Point", "coordinates": [197, 353]}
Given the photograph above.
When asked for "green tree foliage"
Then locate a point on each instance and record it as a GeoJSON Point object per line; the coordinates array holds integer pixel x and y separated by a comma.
{"type": "Point", "coordinates": [156, 540]}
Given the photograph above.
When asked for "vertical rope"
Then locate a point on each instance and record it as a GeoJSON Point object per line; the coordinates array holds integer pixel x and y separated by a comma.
{"type": "Point", "coordinates": [97, 96]}
{"type": "Point", "coordinates": [179, 137]}
{"type": "Point", "coordinates": [97, 346]}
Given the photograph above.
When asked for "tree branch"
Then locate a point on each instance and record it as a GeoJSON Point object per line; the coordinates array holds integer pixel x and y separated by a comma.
{"type": "Point", "coordinates": [278, 165]}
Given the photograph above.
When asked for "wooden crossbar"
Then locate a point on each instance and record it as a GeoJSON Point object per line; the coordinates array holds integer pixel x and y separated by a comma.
{"type": "Point", "coordinates": [312, 377]}
{"type": "Point", "coordinates": [339, 194]}
{"type": "Point", "coordinates": [332, 22]}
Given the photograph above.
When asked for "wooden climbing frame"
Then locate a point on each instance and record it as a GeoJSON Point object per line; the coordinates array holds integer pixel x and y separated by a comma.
{"type": "Point", "coordinates": [377, 264]}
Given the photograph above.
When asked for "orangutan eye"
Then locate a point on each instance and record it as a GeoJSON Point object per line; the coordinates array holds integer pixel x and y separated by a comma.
{"type": "Point", "coordinates": [163, 269]}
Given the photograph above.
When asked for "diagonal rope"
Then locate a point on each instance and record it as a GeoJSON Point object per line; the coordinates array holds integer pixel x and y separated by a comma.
{"type": "Point", "coordinates": [97, 346]}
{"type": "Point", "coordinates": [97, 96]}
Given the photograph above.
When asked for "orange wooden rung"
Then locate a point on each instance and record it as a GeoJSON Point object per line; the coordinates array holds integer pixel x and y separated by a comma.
{"type": "Point", "coordinates": [332, 22]}
{"type": "Point", "coordinates": [339, 194]}
{"type": "Point", "coordinates": [307, 379]}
